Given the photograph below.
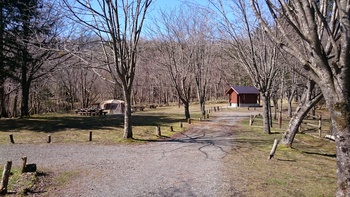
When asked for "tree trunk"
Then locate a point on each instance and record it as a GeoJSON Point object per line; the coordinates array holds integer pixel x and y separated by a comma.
{"type": "Point", "coordinates": [15, 101]}
{"type": "Point", "coordinates": [297, 119]}
{"type": "Point", "coordinates": [25, 98]}
{"type": "Point", "coordinates": [275, 107]}
{"type": "Point", "coordinates": [306, 104]}
{"type": "Point", "coordinates": [127, 114]}
{"type": "Point", "coordinates": [266, 115]}
{"type": "Point", "coordinates": [290, 114]}
{"type": "Point", "coordinates": [340, 116]}
{"type": "Point", "coordinates": [4, 102]}
{"type": "Point", "coordinates": [202, 105]}
{"type": "Point", "coordinates": [187, 110]}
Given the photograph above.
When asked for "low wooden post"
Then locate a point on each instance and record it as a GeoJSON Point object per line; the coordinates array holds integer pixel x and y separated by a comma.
{"type": "Point", "coordinates": [214, 109]}
{"type": "Point", "coordinates": [207, 115]}
{"type": "Point", "coordinates": [90, 136]}
{"type": "Point", "coordinates": [49, 139]}
{"type": "Point", "coordinates": [11, 139]}
{"type": "Point", "coordinates": [5, 178]}
{"type": "Point", "coordinates": [158, 132]}
{"type": "Point", "coordinates": [180, 124]}
{"type": "Point", "coordinates": [171, 128]}
{"type": "Point", "coordinates": [320, 125]}
{"type": "Point", "coordinates": [189, 121]}
{"type": "Point", "coordinates": [24, 164]}
{"type": "Point", "coordinates": [273, 150]}
{"type": "Point", "coordinates": [251, 120]}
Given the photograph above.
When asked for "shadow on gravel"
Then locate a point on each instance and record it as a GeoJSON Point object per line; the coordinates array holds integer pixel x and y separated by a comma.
{"type": "Point", "coordinates": [222, 142]}
{"type": "Point", "coordinates": [51, 124]}
{"type": "Point", "coordinates": [183, 189]}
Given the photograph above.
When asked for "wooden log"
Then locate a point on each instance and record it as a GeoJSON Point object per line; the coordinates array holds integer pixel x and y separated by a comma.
{"type": "Point", "coordinates": [273, 150]}
{"type": "Point", "coordinates": [49, 139]}
{"type": "Point", "coordinates": [90, 136]}
{"type": "Point", "coordinates": [171, 128]}
{"type": "Point", "coordinates": [11, 139]}
{"type": "Point", "coordinates": [158, 132]}
{"type": "Point", "coordinates": [5, 178]}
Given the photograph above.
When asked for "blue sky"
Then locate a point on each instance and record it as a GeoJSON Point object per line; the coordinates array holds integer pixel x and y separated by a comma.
{"type": "Point", "coordinates": [167, 5]}
{"type": "Point", "coordinates": [170, 4]}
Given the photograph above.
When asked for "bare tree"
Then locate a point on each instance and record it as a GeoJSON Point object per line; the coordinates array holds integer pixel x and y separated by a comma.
{"type": "Point", "coordinates": [118, 26]}
{"type": "Point", "coordinates": [324, 28]}
{"type": "Point", "coordinates": [204, 52]}
{"type": "Point", "coordinates": [252, 49]}
{"type": "Point", "coordinates": [174, 54]}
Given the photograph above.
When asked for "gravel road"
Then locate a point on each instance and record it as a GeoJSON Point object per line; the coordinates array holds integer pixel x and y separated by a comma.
{"type": "Point", "coordinates": [190, 164]}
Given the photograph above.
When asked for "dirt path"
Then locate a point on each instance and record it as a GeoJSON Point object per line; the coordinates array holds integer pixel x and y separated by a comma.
{"type": "Point", "coordinates": [188, 165]}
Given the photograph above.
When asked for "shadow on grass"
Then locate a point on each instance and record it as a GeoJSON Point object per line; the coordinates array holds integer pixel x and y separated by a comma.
{"type": "Point", "coordinates": [51, 124]}
{"type": "Point", "coordinates": [316, 153]}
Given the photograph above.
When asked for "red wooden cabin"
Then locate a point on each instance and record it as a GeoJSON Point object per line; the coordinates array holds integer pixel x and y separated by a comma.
{"type": "Point", "coordinates": [243, 96]}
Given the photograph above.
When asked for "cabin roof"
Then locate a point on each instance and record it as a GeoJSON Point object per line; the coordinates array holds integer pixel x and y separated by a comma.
{"type": "Point", "coordinates": [243, 90]}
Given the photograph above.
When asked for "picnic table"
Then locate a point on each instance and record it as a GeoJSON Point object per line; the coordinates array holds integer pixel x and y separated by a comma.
{"type": "Point", "coordinates": [91, 112]}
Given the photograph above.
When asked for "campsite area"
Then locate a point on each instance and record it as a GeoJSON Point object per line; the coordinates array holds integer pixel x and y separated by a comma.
{"type": "Point", "coordinates": [218, 156]}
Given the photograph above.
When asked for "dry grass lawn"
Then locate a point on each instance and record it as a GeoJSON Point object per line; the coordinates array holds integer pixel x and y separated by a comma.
{"type": "Point", "coordinates": [307, 169]}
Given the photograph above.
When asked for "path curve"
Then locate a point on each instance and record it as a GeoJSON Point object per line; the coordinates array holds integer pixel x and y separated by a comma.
{"type": "Point", "coordinates": [189, 165]}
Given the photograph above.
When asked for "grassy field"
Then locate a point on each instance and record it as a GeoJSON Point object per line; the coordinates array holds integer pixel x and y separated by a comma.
{"type": "Point", "coordinates": [307, 169]}
{"type": "Point", "coordinates": [72, 128]}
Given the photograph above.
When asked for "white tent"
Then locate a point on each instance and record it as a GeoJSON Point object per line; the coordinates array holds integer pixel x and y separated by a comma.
{"type": "Point", "coordinates": [113, 106]}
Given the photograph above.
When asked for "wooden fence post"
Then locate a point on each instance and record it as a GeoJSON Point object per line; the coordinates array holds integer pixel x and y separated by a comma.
{"type": "Point", "coordinates": [158, 132]}
{"type": "Point", "coordinates": [49, 139]}
{"type": "Point", "coordinates": [207, 115]}
{"type": "Point", "coordinates": [171, 128]}
{"type": "Point", "coordinates": [320, 125]}
{"type": "Point", "coordinates": [5, 178]}
{"type": "Point", "coordinates": [273, 150]}
{"type": "Point", "coordinates": [24, 159]}
{"type": "Point", "coordinates": [189, 121]}
{"type": "Point", "coordinates": [90, 136]}
{"type": "Point", "coordinates": [180, 124]}
{"type": "Point", "coordinates": [11, 139]}
{"type": "Point", "coordinates": [251, 120]}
